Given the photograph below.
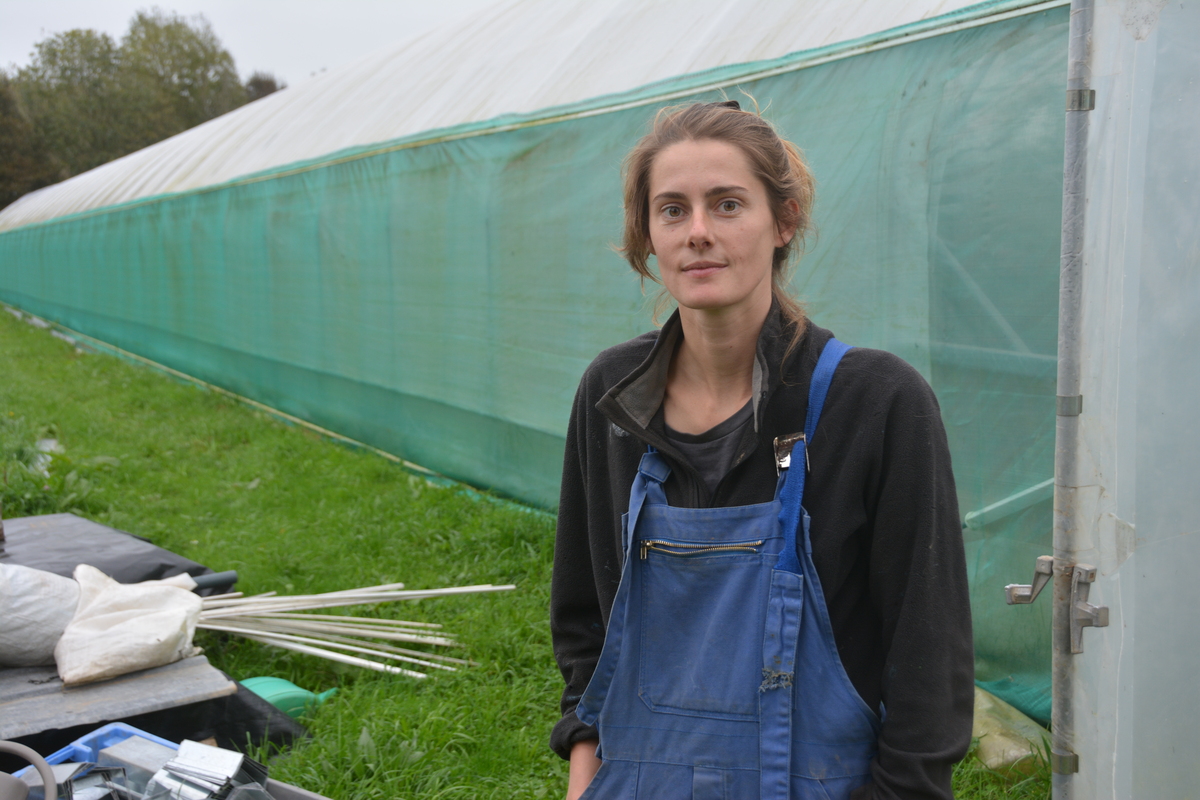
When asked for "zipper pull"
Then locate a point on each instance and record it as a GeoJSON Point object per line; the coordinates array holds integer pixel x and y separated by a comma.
{"type": "Point", "coordinates": [644, 547]}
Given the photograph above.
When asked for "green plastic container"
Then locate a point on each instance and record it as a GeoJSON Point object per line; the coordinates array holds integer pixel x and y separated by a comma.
{"type": "Point", "coordinates": [286, 696]}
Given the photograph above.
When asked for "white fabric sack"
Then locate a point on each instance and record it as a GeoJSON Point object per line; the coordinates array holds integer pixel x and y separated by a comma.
{"type": "Point", "coordinates": [35, 607]}
{"type": "Point", "coordinates": [120, 628]}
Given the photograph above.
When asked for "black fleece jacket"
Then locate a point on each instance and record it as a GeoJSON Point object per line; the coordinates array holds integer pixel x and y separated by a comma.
{"type": "Point", "coordinates": [886, 535]}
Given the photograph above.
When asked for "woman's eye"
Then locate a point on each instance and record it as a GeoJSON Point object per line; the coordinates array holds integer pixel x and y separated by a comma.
{"type": "Point", "coordinates": [673, 212]}
{"type": "Point", "coordinates": [729, 206]}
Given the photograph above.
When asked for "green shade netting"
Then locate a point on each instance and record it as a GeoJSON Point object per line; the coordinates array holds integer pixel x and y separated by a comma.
{"type": "Point", "coordinates": [441, 301]}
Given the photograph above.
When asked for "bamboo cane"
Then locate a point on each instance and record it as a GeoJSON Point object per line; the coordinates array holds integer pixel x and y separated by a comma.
{"type": "Point", "coordinates": [214, 597]}
{"type": "Point", "coordinates": [407, 623]}
{"type": "Point", "coordinates": [390, 648]}
{"type": "Point", "coordinates": [405, 651]}
{"type": "Point", "coordinates": [362, 623]}
{"type": "Point", "coordinates": [356, 638]}
{"type": "Point", "coordinates": [370, 595]}
{"type": "Point", "coordinates": [333, 628]}
{"type": "Point", "coordinates": [340, 657]}
{"type": "Point", "coordinates": [302, 603]}
{"type": "Point", "coordinates": [287, 637]}
{"type": "Point", "coordinates": [391, 634]}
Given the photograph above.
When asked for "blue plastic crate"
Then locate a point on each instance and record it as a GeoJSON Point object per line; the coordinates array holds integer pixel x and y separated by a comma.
{"type": "Point", "coordinates": [87, 748]}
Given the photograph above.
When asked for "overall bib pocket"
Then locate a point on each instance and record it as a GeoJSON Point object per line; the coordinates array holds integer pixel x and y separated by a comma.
{"type": "Point", "coordinates": [702, 614]}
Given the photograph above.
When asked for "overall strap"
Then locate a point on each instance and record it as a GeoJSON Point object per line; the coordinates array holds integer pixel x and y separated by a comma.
{"type": "Point", "coordinates": [653, 470]}
{"type": "Point", "coordinates": [792, 493]}
{"type": "Point", "coordinates": [822, 376]}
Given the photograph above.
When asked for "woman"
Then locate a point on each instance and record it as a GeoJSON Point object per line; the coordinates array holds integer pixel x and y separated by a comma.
{"type": "Point", "coordinates": [716, 638]}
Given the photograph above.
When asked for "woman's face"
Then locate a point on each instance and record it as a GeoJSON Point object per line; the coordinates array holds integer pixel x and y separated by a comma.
{"type": "Point", "coordinates": [711, 227]}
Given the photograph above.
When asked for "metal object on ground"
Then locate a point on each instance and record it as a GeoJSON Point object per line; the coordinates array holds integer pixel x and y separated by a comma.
{"type": "Point", "coordinates": [64, 773]}
{"type": "Point", "coordinates": [16, 789]}
{"type": "Point", "coordinates": [200, 771]}
{"type": "Point", "coordinates": [139, 757]}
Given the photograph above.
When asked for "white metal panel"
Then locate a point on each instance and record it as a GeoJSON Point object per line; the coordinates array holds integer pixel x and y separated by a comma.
{"type": "Point", "coordinates": [516, 57]}
{"type": "Point", "coordinates": [1135, 691]}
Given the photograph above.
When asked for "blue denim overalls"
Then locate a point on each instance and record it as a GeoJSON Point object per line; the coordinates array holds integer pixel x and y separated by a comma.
{"type": "Point", "coordinates": [719, 676]}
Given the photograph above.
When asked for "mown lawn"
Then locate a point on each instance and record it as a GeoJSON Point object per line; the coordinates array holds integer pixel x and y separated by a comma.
{"type": "Point", "coordinates": [235, 488]}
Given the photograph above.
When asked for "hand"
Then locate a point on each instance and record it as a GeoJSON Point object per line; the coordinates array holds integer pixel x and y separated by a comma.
{"type": "Point", "coordinates": [584, 766]}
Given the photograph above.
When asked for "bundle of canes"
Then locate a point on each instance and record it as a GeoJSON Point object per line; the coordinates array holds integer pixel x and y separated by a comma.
{"type": "Point", "coordinates": [277, 620]}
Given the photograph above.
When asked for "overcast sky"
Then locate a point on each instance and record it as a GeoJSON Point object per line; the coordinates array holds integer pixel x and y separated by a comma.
{"type": "Point", "coordinates": [290, 38]}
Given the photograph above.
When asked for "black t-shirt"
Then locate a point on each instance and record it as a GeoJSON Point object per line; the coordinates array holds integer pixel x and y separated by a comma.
{"type": "Point", "coordinates": [711, 453]}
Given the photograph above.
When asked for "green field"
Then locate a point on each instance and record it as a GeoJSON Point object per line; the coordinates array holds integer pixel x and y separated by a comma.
{"type": "Point", "coordinates": [235, 488]}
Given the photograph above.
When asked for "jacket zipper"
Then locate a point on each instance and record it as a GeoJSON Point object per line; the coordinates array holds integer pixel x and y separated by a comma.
{"type": "Point", "coordinates": [685, 549]}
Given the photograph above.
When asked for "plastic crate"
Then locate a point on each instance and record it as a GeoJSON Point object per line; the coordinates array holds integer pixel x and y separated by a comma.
{"type": "Point", "coordinates": [87, 748]}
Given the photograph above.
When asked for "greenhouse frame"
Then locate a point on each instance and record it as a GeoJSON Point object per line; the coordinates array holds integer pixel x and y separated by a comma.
{"type": "Point", "coordinates": [415, 251]}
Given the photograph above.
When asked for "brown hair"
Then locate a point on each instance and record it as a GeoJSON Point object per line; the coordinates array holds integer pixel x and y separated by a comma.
{"type": "Point", "coordinates": [776, 162]}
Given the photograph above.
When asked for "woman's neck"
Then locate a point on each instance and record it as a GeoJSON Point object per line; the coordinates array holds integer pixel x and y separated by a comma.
{"type": "Point", "coordinates": [712, 371]}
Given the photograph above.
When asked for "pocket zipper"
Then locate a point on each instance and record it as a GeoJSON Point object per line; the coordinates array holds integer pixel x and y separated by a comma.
{"type": "Point", "coordinates": [685, 549]}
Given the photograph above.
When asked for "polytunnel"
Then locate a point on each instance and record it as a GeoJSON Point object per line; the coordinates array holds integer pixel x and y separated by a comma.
{"type": "Point", "coordinates": [1126, 463]}
{"type": "Point", "coordinates": [414, 250]}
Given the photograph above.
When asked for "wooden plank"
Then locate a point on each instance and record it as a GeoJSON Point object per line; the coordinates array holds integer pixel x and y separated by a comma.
{"type": "Point", "coordinates": [33, 699]}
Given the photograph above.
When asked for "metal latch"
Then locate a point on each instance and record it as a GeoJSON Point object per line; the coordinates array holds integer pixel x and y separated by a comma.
{"type": "Point", "coordinates": [783, 451]}
{"type": "Point", "coordinates": [1016, 593]}
{"type": "Point", "coordinates": [1083, 613]}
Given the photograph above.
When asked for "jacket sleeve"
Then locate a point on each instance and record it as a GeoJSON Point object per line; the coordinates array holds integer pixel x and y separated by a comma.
{"type": "Point", "coordinates": [576, 624]}
{"type": "Point", "coordinates": [918, 585]}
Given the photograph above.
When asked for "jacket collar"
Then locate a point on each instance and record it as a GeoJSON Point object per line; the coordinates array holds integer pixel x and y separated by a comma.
{"type": "Point", "coordinates": [633, 402]}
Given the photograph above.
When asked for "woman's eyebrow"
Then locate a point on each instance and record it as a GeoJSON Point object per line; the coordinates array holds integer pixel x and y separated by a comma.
{"type": "Point", "coordinates": [713, 192]}
{"type": "Point", "coordinates": [717, 190]}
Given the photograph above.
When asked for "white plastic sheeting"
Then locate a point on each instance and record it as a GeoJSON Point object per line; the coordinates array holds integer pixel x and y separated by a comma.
{"type": "Point", "coordinates": [1136, 702]}
{"type": "Point", "coordinates": [517, 57]}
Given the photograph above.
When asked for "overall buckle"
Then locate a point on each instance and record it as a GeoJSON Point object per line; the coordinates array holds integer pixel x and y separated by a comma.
{"type": "Point", "coordinates": [783, 450]}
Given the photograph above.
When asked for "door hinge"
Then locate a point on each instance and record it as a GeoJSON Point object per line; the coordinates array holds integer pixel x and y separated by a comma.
{"type": "Point", "coordinates": [1063, 763]}
{"type": "Point", "coordinates": [1068, 405]}
{"type": "Point", "coordinates": [1081, 99]}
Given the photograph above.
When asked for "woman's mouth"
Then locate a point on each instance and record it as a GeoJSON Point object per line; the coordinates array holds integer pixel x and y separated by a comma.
{"type": "Point", "coordinates": [700, 269]}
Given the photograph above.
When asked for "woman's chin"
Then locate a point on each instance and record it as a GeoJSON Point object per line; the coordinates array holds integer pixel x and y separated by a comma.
{"type": "Point", "coordinates": [707, 302]}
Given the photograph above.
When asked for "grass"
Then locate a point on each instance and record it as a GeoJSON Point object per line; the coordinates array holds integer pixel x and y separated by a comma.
{"type": "Point", "coordinates": [234, 488]}
{"type": "Point", "coordinates": [974, 781]}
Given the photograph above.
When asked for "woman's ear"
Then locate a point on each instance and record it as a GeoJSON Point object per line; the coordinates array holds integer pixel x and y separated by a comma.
{"type": "Point", "coordinates": [784, 234]}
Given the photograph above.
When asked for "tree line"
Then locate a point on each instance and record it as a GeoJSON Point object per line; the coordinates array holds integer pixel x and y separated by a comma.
{"type": "Point", "coordinates": [85, 99]}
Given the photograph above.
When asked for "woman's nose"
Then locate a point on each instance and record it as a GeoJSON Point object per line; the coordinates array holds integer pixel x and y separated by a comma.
{"type": "Point", "coordinates": [698, 234]}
